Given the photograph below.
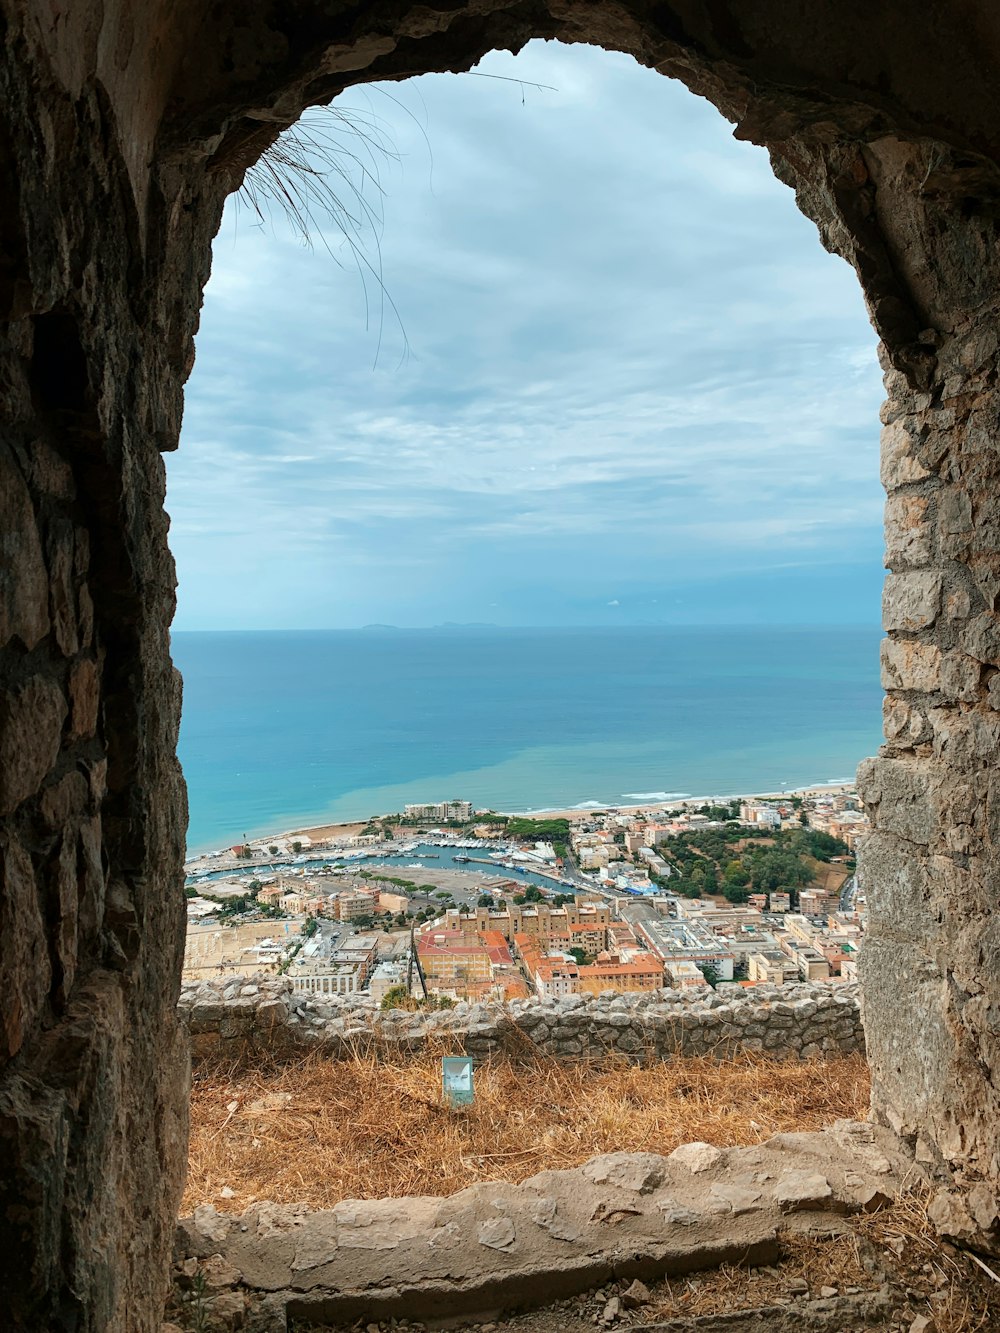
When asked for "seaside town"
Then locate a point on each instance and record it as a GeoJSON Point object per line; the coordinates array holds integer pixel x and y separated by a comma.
{"type": "Point", "coordinates": [444, 903]}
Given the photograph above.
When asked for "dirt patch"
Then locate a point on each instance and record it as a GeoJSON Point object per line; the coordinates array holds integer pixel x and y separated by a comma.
{"type": "Point", "coordinates": [827, 876]}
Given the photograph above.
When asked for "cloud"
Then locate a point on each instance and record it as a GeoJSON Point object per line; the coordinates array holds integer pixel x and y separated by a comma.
{"type": "Point", "coordinates": [619, 347]}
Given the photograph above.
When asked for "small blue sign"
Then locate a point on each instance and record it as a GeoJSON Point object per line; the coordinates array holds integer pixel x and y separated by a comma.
{"type": "Point", "coordinates": [456, 1080]}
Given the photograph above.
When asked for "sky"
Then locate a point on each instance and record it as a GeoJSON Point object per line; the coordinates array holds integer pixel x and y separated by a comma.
{"type": "Point", "coordinates": [600, 371]}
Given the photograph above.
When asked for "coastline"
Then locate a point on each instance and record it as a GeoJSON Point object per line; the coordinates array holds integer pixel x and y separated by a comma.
{"type": "Point", "coordinates": [582, 811]}
{"type": "Point", "coordinates": [321, 832]}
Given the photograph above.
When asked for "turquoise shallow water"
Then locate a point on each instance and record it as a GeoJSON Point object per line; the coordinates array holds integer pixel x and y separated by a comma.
{"type": "Point", "coordinates": [290, 728]}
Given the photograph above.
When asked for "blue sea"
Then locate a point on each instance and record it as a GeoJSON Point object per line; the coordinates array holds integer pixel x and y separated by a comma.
{"type": "Point", "coordinates": [288, 729]}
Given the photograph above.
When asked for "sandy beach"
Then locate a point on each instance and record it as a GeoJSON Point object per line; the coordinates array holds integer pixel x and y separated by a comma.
{"type": "Point", "coordinates": [687, 802]}
{"type": "Point", "coordinates": [323, 832]}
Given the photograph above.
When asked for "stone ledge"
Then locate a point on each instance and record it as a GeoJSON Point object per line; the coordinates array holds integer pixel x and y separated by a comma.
{"type": "Point", "coordinates": [807, 1021]}
{"type": "Point", "coordinates": [502, 1246]}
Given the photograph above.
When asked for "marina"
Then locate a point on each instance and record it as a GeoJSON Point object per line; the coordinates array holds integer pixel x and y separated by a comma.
{"type": "Point", "coordinates": [429, 855]}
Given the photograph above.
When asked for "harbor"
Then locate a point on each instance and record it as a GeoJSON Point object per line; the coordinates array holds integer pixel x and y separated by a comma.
{"type": "Point", "coordinates": [474, 859]}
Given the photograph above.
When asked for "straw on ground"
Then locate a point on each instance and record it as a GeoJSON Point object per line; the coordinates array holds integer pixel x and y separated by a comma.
{"type": "Point", "coordinates": [315, 1130]}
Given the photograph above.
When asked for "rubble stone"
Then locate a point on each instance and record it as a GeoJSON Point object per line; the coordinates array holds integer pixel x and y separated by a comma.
{"type": "Point", "coordinates": [794, 1021]}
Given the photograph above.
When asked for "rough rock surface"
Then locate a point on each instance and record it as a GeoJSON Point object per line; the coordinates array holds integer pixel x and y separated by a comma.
{"type": "Point", "coordinates": [496, 1246]}
{"type": "Point", "coordinates": [801, 1022]}
{"type": "Point", "coordinates": [122, 129]}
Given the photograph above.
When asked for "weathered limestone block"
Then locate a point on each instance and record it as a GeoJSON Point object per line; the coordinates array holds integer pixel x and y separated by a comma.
{"type": "Point", "coordinates": [981, 638]}
{"type": "Point", "coordinates": [911, 601]}
{"type": "Point", "coordinates": [903, 724]}
{"type": "Point", "coordinates": [900, 792]}
{"type": "Point", "coordinates": [908, 531]}
{"type": "Point", "coordinates": [960, 677]}
{"type": "Point", "coordinates": [963, 740]}
{"type": "Point", "coordinates": [900, 463]}
{"type": "Point", "coordinates": [908, 664]}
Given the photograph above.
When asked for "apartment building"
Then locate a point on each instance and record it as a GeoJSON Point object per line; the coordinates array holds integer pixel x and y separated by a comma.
{"type": "Point", "coordinates": [687, 941]}
{"type": "Point", "coordinates": [760, 815]}
{"type": "Point", "coordinates": [553, 976]}
{"type": "Point", "coordinates": [451, 961]}
{"type": "Point", "coordinates": [684, 975]}
{"type": "Point", "coordinates": [354, 903]}
{"type": "Point", "coordinates": [535, 919]}
{"type": "Point", "coordinates": [342, 972]}
{"type": "Point", "coordinates": [817, 902]}
{"type": "Point", "coordinates": [772, 966]}
{"type": "Point", "coordinates": [621, 972]}
{"type": "Point", "coordinates": [460, 811]}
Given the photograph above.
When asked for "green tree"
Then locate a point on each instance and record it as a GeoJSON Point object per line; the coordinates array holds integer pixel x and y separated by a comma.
{"type": "Point", "coordinates": [396, 997]}
{"type": "Point", "coordinates": [538, 830]}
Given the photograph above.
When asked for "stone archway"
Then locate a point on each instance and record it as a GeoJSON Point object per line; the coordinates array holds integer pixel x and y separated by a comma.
{"type": "Point", "coordinates": [123, 129]}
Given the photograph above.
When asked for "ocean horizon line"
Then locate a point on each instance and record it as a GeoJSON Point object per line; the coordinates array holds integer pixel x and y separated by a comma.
{"type": "Point", "coordinates": [548, 629]}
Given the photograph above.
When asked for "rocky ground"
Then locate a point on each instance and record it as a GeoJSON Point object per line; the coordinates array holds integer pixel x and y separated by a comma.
{"type": "Point", "coordinates": [884, 1271]}
{"type": "Point", "coordinates": [850, 1283]}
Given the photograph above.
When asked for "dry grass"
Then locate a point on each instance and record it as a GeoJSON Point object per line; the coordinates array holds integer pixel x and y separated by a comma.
{"type": "Point", "coordinates": [926, 1278]}
{"type": "Point", "coordinates": [821, 1261]}
{"type": "Point", "coordinates": [944, 1283]}
{"type": "Point", "coordinates": [317, 1130]}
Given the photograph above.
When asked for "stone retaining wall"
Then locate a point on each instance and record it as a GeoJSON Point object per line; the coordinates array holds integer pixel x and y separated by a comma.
{"type": "Point", "coordinates": [800, 1022]}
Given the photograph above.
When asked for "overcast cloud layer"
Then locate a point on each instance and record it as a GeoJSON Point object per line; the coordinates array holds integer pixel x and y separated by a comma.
{"type": "Point", "coordinates": [633, 388]}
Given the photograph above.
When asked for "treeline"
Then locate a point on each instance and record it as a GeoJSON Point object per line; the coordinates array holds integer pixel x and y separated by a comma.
{"type": "Point", "coordinates": [555, 831]}
{"type": "Point", "coordinates": [521, 826]}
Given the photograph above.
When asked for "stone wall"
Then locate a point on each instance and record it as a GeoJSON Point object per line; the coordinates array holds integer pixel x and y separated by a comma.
{"type": "Point", "coordinates": [96, 313]}
{"type": "Point", "coordinates": [931, 964]}
{"type": "Point", "coordinates": [265, 1014]}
